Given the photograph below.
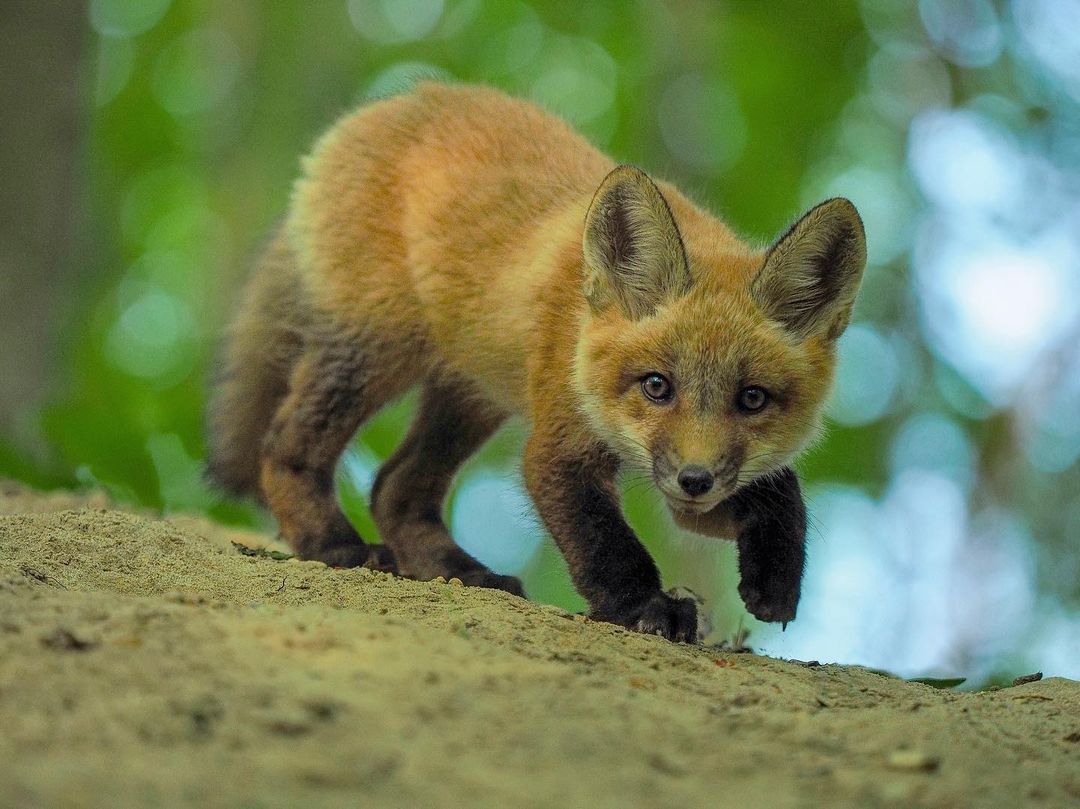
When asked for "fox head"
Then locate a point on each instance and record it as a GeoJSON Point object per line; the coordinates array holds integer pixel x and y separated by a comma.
{"type": "Point", "coordinates": [708, 367]}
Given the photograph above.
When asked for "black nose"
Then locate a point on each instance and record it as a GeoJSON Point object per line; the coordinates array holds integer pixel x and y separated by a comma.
{"type": "Point", "coordinates": [695, 480]}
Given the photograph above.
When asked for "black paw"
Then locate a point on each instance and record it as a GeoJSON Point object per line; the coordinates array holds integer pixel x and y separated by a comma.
{"type": "Point", "coordinates": [380, 557]}
{"type": "Point", "coordinates": [770, 598]}
{"type": "Point", "coordinates": [671, 618]}
{"type": "Point", "coordinates": [772, 545]}
{"type": "Point", "coordinates": [493, 581]}
{"type": "Point", "coordinates": [376, 557]}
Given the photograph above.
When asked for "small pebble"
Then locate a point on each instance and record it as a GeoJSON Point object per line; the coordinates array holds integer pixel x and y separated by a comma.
{"type": "Point", "coordinates": [1028, 678]}
{"type": "Point", "coordinates": [912, 761]}
{"type": "Point", "coordinates": [61, 638]}
{"type": "Point", "coordinates": [185, 597]}
{"type": "Point", "coordinates": [456, 582]}
{"type": "Point", "coordinates": [667, 764]}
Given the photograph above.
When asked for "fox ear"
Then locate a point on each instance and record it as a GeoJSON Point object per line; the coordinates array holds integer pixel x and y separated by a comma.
{"type": "Point", "coordinates": [634, 254]}
{"type": "Point", "coordinates": [811, 275]}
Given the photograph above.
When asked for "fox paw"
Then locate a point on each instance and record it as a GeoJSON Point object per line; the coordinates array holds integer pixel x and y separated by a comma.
{"type": "Point", "coordinates": [380, 557]}
{"type": "Point", "coordinates": [493, 581]}
{"type": "Point", "coordinates": [376, 557]}
{"type": "Point", "coordinates": [671, 618]}
{"type": "Point", "coordinates": [770, 599]}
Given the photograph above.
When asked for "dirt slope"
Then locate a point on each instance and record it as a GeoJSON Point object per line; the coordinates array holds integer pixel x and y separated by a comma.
{"type": "Point", "coordinates": [149, 663]}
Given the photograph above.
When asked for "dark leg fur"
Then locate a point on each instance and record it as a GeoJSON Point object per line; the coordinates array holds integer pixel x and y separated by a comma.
{"type": "Point", "coordinates": [332, 390]}
{"type": "Point", "coordinates": [578, 501]}
{"type": "Point", "coordinates": [771, 520]}
{"type": "Point", "coordinates": [409, 491]}
{"type": "Point", "coordinates": [263, 344]}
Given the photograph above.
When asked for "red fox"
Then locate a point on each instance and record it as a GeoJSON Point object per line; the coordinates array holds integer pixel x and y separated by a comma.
{"type": "Point", "coordinates": [472, 244]}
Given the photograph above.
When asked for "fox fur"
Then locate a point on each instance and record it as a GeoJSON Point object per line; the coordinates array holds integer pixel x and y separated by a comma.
{"type": "Point", "coordinates": [472, 244]}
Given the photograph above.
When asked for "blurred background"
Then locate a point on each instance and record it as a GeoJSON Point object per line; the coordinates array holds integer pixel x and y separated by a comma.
{"type": "Point", "coordinates": [149, 146]}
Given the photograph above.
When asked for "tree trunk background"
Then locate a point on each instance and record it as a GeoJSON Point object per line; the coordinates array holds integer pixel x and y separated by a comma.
{"type": "Point", "coordinates": [41, 49]}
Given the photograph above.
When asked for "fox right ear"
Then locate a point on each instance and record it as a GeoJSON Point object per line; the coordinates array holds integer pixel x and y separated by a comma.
{"type": "Point", "coordinates": [811, 275]}
{"type": "Point", "coordinates": [634, 254]}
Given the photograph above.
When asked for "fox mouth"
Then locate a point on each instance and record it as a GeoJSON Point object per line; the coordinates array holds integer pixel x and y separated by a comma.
{"type": "Point", "coordinates": [687, 496]}
{"type": "Point", "coordinates": [686, 505]}
{"type": "Point", "coordinates": [682, 503]}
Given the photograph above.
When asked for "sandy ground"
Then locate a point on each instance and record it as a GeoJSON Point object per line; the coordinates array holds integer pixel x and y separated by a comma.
{"type": "Point", "coordinates": [149, 663]}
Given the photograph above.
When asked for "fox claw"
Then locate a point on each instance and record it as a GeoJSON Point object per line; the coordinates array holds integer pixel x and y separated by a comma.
{"type": "Point", "coordinates": [493, 581]}
{"type": "Point", "coordinates": [770, 601]}
{"type": "Point", "coordinates": [671, 618]}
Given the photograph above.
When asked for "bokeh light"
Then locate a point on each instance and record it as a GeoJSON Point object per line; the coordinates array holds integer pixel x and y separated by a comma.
{"type": "Point", "coordinates": [867, 377]}
{"type": "Point", "coordinates": [701, 123]}
{"type": "Point", "coordinates": [122, 18]}
{"type": "Point", "coordinates": [392, 22]}
{"type": "Point", "coordinates": [966, 31]}
{"type": "Point", "coordinates": [493, 519]}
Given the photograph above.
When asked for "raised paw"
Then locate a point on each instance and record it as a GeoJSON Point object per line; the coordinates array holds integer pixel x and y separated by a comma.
{"type": "Point", "coordinates": [770, 598]}
{"type": "Point", "coordinates": [671, 618]}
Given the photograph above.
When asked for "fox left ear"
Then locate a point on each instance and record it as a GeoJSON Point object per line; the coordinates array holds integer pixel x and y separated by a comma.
{"type": "Point", "coordinates": [811, 275]}
{"type": "Point", "coordinates": [634, 254]}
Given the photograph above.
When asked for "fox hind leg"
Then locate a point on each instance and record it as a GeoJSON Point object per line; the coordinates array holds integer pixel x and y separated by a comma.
{"type": "Point", "coordinates": [334, 387]}
{"type": "Point", "coordinates": [264, 342]}
{"type": "Point", "coordinates": [410, 488]}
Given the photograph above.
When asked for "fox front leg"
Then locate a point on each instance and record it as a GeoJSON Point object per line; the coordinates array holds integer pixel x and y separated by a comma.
{"type": "Point", "coordinates": [767, 518]}
{"type": "Point", "coordinates": [577, 499]}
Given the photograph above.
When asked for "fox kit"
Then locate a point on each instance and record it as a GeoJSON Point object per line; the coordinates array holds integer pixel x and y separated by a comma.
{"type": "Point", "coordinates": [472, 244]}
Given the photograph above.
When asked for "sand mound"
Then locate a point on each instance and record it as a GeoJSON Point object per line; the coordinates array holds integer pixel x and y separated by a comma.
{"type": "Point", "coordinates": [149, 663]}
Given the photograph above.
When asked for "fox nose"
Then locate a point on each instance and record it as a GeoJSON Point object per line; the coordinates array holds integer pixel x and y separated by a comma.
{"type": "Point", "coordinates": [695, 480]}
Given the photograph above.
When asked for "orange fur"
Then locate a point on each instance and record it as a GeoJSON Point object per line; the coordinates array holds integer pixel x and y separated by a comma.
{"type": "Point", "coordinates": [456, 237]}
{"type": "Point", "coordinates": [449, 220]}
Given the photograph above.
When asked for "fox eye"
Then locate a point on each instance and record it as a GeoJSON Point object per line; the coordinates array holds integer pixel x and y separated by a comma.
{"type": "Point", "coordinates": [752, 399]}
{"type": "Point", "coordinates": [657, 387]}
